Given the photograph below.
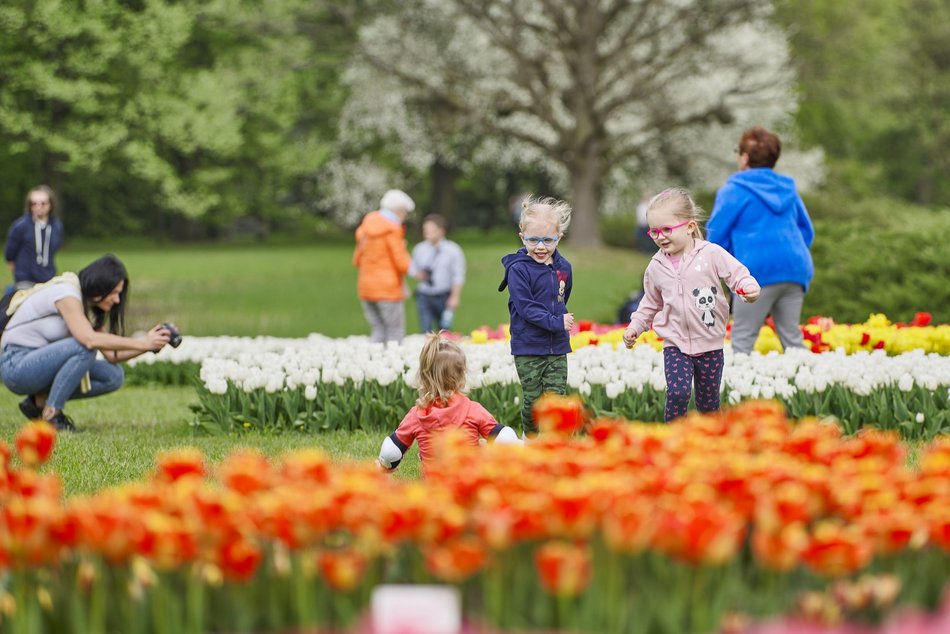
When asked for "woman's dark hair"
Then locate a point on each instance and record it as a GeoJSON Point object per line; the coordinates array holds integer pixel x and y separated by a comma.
{"type": "Point", "coordinates": [762, 146]}
{"type": "Point", "coordinates": [99, 279]}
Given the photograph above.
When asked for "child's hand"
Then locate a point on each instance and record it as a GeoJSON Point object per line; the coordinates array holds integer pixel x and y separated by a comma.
{"type": "Point", "coordinates": [747, 296]}
{"type": "Point", "coordinates": [629, 336]}
{"type": "Point", "coordinates": [568, 321]}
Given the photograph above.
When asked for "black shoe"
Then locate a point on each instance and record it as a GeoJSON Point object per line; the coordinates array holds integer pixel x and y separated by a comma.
{"type": "Point", "coordinates": [30, 409]}
{"type": "Point", "coordinates": [62, 422]}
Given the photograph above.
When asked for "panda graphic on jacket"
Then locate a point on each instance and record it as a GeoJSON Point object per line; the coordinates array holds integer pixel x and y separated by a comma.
{"type": "Point", "coordinates": [706, 302]}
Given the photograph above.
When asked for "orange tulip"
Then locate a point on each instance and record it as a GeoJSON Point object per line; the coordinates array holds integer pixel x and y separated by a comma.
{"type": "Point", "coordinates": [176, 464]}
{"type": "Point", "coordinates": [309, 465]}
{"type": "Point", "coordinates": [780, 547]}
{"type": "Point", "coordinates": [937, 516]}
{"type": "Point", "coordinates": [246, 471]}
{"type": "Point", "coordinates": [34, 443]}
{"type": "Point", "coordinates": [564, 569]}
{"type": "Point", "coordinates": [456, 560]}
{"type": "Point", "coordinates": [836, 548]}
{"type": "Point", "coordinates": [342, 569]}
{"type": "Point", "coordinates": [239, 558]}
{"type": "Point", "coordinates": [559, 414]}
{"type": "Point", "coordinates": [629, 524]}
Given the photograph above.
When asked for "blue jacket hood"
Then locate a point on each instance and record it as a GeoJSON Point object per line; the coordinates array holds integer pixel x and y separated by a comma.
{"type": "Point", "coordinates": [521, 255]}
{"type": "Point", "coordinates": [776, 191]}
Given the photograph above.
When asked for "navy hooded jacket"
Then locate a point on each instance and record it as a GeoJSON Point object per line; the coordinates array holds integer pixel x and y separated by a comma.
{"type": "Point", "coordinates": [760, 219]}
{"type": "Point", "coordinates": [537, 303]}
{"type": "Point", "coordinates": [33, 262]}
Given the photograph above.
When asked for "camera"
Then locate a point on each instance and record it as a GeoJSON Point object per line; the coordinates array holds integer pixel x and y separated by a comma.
{"type": "Point", "coordinates": [174, 337]}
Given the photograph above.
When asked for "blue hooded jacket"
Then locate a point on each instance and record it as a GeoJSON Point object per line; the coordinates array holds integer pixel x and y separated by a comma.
{"type": "Point", "coordinates": [537, 303]}
{"type": "Point", "coordinates": [760, 219]}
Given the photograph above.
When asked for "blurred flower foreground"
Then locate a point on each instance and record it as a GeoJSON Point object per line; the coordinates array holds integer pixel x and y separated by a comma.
{"type": "Point", "coordinates": [716, 523]}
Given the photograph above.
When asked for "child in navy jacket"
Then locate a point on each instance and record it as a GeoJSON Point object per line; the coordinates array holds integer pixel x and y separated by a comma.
{"type": "Point", "coordinates": [539, 285]}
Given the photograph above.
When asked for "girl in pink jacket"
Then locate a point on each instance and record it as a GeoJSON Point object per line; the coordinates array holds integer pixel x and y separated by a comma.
{"type": "Point", "coordinates": [684, 302]}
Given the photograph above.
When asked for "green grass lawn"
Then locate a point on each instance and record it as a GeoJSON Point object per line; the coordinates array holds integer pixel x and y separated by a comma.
{"type": "Point", "coordinates": [293, 290]}
{"type": "Point", "coordinates": [281, 290]}
{"type": "Point", "coordinates": [122, 432]}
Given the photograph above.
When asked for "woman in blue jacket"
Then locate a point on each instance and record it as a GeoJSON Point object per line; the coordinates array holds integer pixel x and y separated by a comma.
{"type": "Point", "coordinates": [33, 240]}
{"type": "Point", "coordinates": [760, 219]}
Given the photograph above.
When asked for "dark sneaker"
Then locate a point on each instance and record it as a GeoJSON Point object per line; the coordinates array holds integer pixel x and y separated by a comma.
{"type": "Point", "coordinates": [62, 422]}
{"type": "Point", "coordinates": [30, 409]}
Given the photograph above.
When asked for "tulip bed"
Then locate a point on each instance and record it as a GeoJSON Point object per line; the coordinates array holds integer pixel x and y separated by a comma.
{"type": "Point", "coordinates": [718, 520]}
{"type": "Point", "coordinates": [320, 384]}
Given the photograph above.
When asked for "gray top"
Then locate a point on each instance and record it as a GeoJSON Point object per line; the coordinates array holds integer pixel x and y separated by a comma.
{"type": "Point", "coordinates": [445, 260]}
{"type": "Point", "coordinates": [37, 323]}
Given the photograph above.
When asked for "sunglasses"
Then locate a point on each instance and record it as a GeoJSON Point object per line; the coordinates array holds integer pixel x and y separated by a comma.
{"type": "Point", "coordinates": [665, 230]}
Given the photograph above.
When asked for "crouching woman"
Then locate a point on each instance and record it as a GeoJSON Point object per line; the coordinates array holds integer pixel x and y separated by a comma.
{"type": "Point", "coordinates": [50, 344]}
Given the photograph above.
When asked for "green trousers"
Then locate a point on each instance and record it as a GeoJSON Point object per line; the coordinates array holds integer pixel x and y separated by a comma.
{"type": "Point", "coordinates": [539, 374]}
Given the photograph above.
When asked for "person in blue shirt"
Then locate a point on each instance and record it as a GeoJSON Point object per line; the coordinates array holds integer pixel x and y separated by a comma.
{"type": "Point", "coordinates": [539, 282]}
{"type": "Point", "coordinates": [33, 240]}
{"type": "Point", "coordinates": [439, 266]}
{"type": "Point", "coordinates": [760, 218]}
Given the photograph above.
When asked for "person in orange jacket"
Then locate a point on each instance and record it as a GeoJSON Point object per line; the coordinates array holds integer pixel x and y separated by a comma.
{"type": "Point", "coordinates": [383, 261]}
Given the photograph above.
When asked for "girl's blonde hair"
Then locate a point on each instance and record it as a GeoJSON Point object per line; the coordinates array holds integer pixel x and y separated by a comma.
{"type": "Point", "coordinates": [679, 201]}
{"type": "Point", "coordinates": [556, 211]}
{"type": "Point", "coordinates": [441, 371]}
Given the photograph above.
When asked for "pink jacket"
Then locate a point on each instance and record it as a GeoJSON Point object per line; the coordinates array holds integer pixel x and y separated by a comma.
{"type": "Point", "coordinates": [687, 306]}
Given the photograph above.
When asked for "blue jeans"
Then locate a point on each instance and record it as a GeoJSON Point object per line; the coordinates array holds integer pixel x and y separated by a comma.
{"type": "Point", "coordinates": [431, 308]}
{"type": "Point", "coordinates": [58, 369]}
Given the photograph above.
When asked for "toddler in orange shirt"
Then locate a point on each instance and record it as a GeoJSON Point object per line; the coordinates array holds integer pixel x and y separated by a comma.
{"type": "Point", "coordinates": [442, 405]}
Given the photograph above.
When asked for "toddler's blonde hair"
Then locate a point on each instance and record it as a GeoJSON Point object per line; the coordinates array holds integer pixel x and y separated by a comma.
{"type": "Point", "coordinates": [679, 201]}
{"type": "Point", "coordinates": [556, 211]}
{"type": "Point", "coordinates": [441, 371]}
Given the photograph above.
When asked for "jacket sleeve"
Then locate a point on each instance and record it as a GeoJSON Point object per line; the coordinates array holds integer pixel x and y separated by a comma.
{"type": "Point", "coordinates": [406, 431]}
{"type": "Point", "coordinates": [13, 244]}
{"type": "Point", "coordinates": [734, 273]}
{"type": "Point", "coordinates": [486, 423]}
{"type": "Point", "coordinates": [650, 304]}
{"type": "Point", "coordinates": [519, 285]}
{"type": "Point", "coordinates": [398, 252]}
{"type": "Point", "coordinates": [803, 221]}
{"type": "Point", "coordinates": [723, 218]}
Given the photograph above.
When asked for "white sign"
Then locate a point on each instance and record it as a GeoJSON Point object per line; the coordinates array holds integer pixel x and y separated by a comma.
{"type": "Point", "coordinates": [408, 609]}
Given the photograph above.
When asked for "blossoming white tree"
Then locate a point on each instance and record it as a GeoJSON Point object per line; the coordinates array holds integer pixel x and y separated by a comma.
{"type": "Point", "coordinates": [601, 92]}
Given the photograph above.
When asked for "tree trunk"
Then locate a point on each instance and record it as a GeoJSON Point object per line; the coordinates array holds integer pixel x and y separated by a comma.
{"type": "Point", "coordinates": [443, 190]}
{"type": "Point", "coordinates": [587, 180]}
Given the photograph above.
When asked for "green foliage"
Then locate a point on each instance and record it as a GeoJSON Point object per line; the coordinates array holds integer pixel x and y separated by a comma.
{"type": "Point", "coordinates": [878, 256]}
{"type": "Point", "coordinates": [163, 115]}
{"type": "Point", "coordinates": [875, 82]}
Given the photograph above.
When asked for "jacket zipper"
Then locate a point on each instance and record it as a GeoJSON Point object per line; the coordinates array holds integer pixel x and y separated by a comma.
{"type": "Point", "coordinates": [682, 289]}
{"type": "Point", "coordinates": [551, 334]}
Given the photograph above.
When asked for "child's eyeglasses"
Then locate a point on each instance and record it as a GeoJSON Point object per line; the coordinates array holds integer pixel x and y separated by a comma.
{"type": "Point", "coordinates": [666, 230]}
{"type": "Point", "coordinates": [548, 241]}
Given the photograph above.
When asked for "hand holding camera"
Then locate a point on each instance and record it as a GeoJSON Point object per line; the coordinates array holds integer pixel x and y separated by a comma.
{"type": "Point", "coordinates": [174, 337]}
